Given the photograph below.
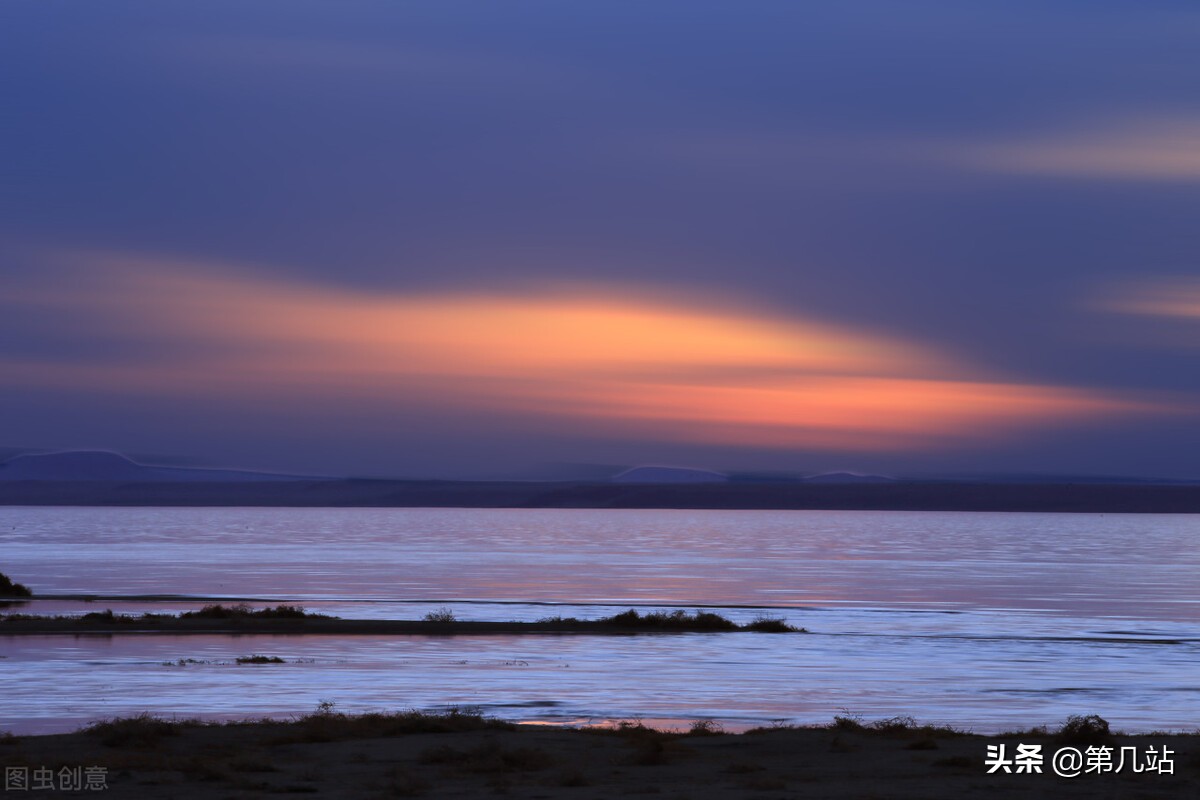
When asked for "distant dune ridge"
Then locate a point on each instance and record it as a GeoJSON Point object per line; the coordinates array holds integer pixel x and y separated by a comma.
{"type": "Point", "coordinates": [100, 478]}
{"type": "Point", "coordinates": [658, 474]}
{"type": "Point", "coordinates": [847, 477]}
{"type": "Point", "coordinates": [104, 465]}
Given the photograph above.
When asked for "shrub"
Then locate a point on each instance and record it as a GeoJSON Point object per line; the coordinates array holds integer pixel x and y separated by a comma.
{"type": "Point", "coordinates": [670, 620]}
{"type": "Point", "coordinates": [143, 730]}
{"type": "Point", "coordinates": [1081, 730]}
{"type": "Point", "coordinates": [895, 725]}
{"type": "Point", "coordinates": [765, 624]}
{"type": "Point", "coordinates": [443, 614]}
{"type": "Point", "coordinates": [257, 659]}
{"type": "Point", "coordinates": [848, 722]}
{"type": "Point", "coordinates": [705, 727]}
{"type": "Point", "coordinates": [8, 588]}
{"type": "Point", "coordinates": [903, 727]}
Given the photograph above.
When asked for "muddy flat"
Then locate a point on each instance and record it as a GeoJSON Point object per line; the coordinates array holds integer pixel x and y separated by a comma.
{"type": "Point", "coordinates": [328, 755]}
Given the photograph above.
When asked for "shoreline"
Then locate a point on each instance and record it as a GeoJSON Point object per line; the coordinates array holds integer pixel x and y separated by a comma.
{"type": "Point", "coordinates": [1057, 496]}
{"type": "Point", "coordinates": [462, 754]}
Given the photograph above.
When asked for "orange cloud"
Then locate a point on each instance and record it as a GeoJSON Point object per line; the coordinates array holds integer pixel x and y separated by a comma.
{"type": "Point", "coordinates": [1159, 297]}
{"type": "Point", "coordinates": [599, 361]}
{"type": "Point", "coordinates": [1158, 149]}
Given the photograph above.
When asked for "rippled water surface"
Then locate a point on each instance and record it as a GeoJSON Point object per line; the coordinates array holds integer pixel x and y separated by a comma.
{"type": "Point", "coordinates": [987, 621]}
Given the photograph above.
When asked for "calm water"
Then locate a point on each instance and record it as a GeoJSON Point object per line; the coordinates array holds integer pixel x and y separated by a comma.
{"type": "Point", "coordinates": [987, 621]}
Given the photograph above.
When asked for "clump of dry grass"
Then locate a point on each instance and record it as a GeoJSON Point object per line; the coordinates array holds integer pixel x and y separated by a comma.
{"type": "Point", "coordinates": [705, 727]}
{"type": "Point", "coordinates": [902, 726]}
{"type": "Point", "coordinates": [142, 730]}
{"type": "Point", "coordinates": [327, 725]}
{"type": "Point", "coordinates": [323, 725]}
{"type": "Point", "coordinates": [630, 730]}
{"type": "Point", "coordinates": [1081, 730]}
{"type": "Point", "coordinates": [442, 614]}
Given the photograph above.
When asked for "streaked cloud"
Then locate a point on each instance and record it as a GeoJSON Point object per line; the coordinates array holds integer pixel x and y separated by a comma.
{"type": "Point", "coordinates": [1177, 297]}
{"type": "Point", "coordinates": [1149, 149]}
{"type": "Point", "coordinates": [1156, 148]}
{"type": "Point", "coordinates": [613, 361]}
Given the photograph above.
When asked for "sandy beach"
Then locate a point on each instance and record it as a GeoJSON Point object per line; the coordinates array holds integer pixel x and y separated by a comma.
{"type": "Point", "coordinates": [462, 755]}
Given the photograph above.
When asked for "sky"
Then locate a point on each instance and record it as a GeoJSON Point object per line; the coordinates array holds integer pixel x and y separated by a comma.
{"type": "Point", "coordinates": [479, 239]}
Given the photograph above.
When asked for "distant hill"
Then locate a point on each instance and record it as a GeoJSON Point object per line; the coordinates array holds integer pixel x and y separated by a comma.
{"type": "Point", "coordinates": [101, 465]}
{"type": "Point", "coordinates": [98, 478]}
{"type": "Point", "coordinates": [669, 475]}
{"type": "Point", "coordinates": [847, 477]}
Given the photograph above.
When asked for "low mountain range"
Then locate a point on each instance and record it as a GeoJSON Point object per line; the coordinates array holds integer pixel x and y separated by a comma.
{"type": "Point", "coordinates": [102, 465]}
{"type": "Point", "coordinates": [98, 478]}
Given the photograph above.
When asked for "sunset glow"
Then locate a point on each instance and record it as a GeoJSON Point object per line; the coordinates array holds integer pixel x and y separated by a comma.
{"type": "Point", "coordinates": [598, 358]}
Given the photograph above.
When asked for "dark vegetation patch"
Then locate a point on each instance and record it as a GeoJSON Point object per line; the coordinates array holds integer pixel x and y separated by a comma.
{"type": "Point", "coordinates": [902, 727]}
{"type": "Point", "coordinates": [670, 620]}
{"type": "Point", "coordinates": [1083, 731]}
{"type": "Point", "coordinates": [327, 725]}
{"type": "Point", "coordinates": [9, 588]}
{"type": "Point", "coordinates": [441, 615]}
{"type": "Point", "coordinates": [323, 725]}
{"type": "Point", "coordinates": [258, 659]}
{"type": "Point", "coordinates": [705, 727]}
{"type": "Point", "coordinates": [766, 624]}
{"type": "Point", "coordinates": [678, 620]}
{"type": "Point", "coordinates": [142, 730]}
{"type": "Point", "coordinates": [244, 611]}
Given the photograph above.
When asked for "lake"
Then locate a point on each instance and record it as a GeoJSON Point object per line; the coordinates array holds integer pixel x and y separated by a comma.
{"type": "Point", "coordinates": [979, 620]}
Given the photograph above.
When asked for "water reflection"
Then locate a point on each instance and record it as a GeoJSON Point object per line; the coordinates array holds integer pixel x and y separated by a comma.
{"type": "Point", "coordinates": [989, 621]}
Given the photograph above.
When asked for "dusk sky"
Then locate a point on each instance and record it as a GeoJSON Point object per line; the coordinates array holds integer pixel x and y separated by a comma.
{"type": "Point", "coordinates": [481, 239]}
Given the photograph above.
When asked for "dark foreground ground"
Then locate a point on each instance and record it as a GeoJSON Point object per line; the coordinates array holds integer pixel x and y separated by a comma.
{"type": "Point", "coordinates": [462, 755]}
